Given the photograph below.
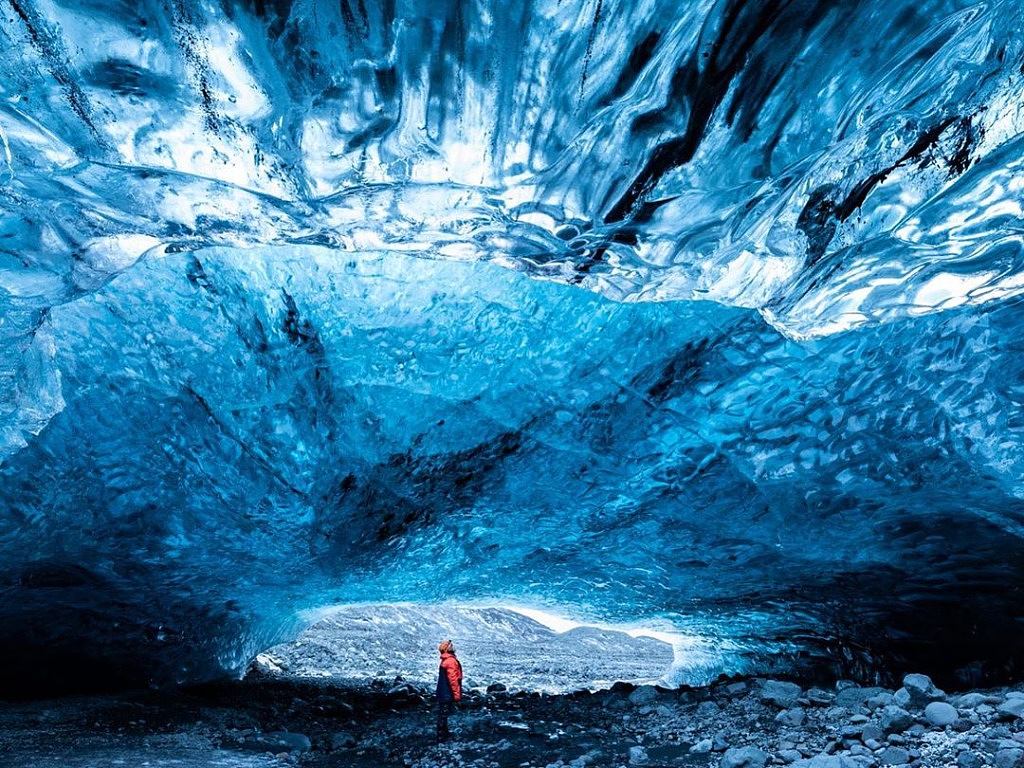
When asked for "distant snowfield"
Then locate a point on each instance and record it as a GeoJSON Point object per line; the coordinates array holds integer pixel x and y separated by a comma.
{"type": "Point", "coordinates": [521, 647]}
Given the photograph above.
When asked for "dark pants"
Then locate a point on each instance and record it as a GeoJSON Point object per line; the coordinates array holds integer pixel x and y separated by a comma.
{"type": "Point", "coordinates": [444, 708]}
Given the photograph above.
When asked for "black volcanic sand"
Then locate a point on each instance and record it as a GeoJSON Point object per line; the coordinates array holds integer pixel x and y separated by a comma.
{"type": "Point", "coordinates": [736, 724]}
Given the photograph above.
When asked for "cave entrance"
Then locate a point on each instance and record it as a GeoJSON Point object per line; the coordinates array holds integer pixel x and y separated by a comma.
{"type": "Point", "coordinates": [519, 648]}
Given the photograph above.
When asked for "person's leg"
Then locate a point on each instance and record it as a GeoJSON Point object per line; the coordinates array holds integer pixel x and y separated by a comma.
{"type": "Point", "coordinates": [442, 719]}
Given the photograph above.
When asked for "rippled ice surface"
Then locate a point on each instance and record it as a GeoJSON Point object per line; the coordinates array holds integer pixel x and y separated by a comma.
{"type": "Point", "coordinates": [703, 312]}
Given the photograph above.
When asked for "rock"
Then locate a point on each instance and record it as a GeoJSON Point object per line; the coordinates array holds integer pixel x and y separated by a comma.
{"type": "Point", "coordinates": [637, 755]}
{"type": "Point", "coordinates": [744, 757]}
{"type": "Point", "coordinates": [719, 743]}
{"type": "Point", "coordinates": [794, 717]}
{"type": "Point", "coordinates": [971, 700]}
{"type": "Point", "coordinates": [878, 701]}
{"type": "Point", "coordinates": [1011, 709]}
{"type": "Point", "coordinates": [790, 755]}
{"type": "Point", "coordinates": [901, 698]}
{"type": "Point", "coordinates": [278, 741]}
{"type": "Point", "coordinates": [645, 694]}
{"type": "Point", "coordinates": [342, 740]}
{"type": "Point", "coordinates": [827, 761]}
{"type": "Point", "coordinates": [779, 693]}
{"type": "Point", "coordinates": [850, 732]}
{"type": "Point", "coordinates": [894, 756]}
{"type": "Point", "coordinates": [940, 713]}
{"type": "Point", "coordinates": [969, 760]}
{"type": "Point", "coordinates": [707, 709]}
{"type": "Point", "coordinates": [872, 732]}
{"type": "Point", "coordinates": [922, 690]}
{"type": "Point", "coordinates": [818, 697]}
{"type": "Point", "coordinates": [735, 689]}
{"type": "Point", "coordinates": [497, 688]}
{"type": "Point", "coordinates": [895, 720]}
{"type": "Point", "coordinates": [855, 696]}
{"type": "Point", "coordinates": [702, 747]}
{"type": "Point", "coordinates": [1009, 758]}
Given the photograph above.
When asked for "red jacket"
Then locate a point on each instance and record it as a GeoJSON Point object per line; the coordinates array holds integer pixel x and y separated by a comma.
{"type": "Point", "coordinates": [452, 669]}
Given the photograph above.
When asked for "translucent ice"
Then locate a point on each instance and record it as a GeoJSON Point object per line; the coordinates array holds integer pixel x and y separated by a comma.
{"type": "Point", "coordinates": [701, 311]}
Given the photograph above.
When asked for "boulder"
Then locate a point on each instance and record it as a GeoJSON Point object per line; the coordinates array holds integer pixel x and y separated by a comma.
{"type": "Point", "coordinates": [497, 688]}
{"type": "Point", "coordinates": [940, 714]}
{"type": "Point", "coordinates": [969, 760]}
{"type": "Point", "coordinates": [922, 690]}
{"type": "Point", "coordinates": [743, 757]}
{"type": "Point", "coordinates": [1011, 709]}
{"type": "Point", "coordinates": [895, 719]}
{"type": "Point", "coordinates": [779, 693]}
{"type": "Point", "coordinates": [971, 700]}
{"type": "Point", "coordinates": [645, 694]}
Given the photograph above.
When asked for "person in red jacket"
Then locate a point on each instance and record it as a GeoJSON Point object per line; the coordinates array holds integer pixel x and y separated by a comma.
{"type": "Point", "coordinates": [449, 687]}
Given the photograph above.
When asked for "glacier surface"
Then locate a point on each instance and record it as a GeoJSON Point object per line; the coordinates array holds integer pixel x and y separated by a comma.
{"type": "Point", "coordinates": [703, 313]}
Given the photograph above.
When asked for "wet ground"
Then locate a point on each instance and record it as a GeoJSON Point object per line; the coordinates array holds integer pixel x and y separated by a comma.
{"type": "Point", "coordinates": [262, 723]}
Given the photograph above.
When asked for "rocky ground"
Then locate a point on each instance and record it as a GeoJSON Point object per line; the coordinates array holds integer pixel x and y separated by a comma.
{"type": "Point", "coordinates": [356, 643]}
{"type": "Point", "coordinates": [749, 723]}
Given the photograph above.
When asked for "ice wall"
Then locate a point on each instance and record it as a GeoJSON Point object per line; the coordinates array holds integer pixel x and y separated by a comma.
{"type": "Point", "coordinates": [701, 311]}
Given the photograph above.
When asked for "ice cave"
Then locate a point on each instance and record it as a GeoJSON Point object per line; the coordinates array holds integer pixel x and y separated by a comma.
{"type": "Point", "coordinates": [694, 315]}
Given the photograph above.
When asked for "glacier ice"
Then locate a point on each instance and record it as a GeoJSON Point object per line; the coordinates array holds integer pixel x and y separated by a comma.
{"type": "Point", "coordinates": [702, 312]}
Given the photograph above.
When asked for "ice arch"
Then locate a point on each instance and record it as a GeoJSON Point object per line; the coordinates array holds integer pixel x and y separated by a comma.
{"type": "Point", "coordinates": [702, 311]}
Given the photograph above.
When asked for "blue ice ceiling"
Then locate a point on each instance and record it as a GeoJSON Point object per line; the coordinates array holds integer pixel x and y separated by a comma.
{"type": "Point", "coordinates": [700, 311]}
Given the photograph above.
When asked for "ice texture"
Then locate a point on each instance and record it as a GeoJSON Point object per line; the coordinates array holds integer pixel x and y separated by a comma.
{"type": "Point", "coordinates": [705, 313]}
